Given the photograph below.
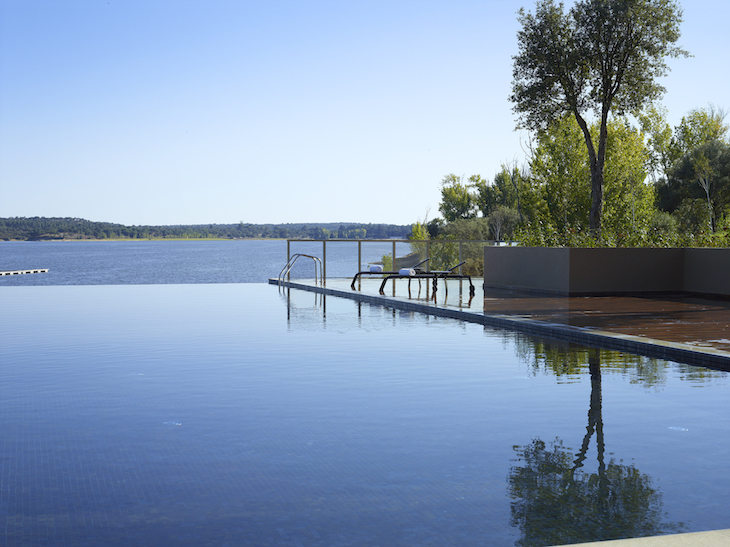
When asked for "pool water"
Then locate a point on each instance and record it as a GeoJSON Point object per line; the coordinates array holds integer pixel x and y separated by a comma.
{"type": "Point", "coordinates": [237, 414]}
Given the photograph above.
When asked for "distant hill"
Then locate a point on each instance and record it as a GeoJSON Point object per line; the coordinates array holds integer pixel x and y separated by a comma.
{"type": "Point", "coordinates": [47, 229]}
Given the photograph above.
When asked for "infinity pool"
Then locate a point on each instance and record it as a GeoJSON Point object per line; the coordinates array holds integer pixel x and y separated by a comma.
{"type": "Point", "coordinates": [241, 415]}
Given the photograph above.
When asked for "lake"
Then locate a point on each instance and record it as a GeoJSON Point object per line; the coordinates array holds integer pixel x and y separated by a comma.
{"type": "Point", "coordinates": [172, 262]}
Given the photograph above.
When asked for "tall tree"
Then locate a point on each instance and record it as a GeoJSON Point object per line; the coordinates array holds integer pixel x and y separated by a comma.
{"type": "Point", "coordinates": [560, 167]}
{"type": "Point", "coordinates": [602, 56]}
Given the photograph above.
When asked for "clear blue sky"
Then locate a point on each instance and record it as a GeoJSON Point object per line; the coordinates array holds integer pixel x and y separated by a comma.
{"type": "Point", "coordinates": [220, 111]}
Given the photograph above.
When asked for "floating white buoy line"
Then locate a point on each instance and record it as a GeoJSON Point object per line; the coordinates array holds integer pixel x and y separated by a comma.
{"type": "Point", "coordinates": [20, 272]}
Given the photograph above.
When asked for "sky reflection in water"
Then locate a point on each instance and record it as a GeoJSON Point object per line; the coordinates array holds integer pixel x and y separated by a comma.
{"type": "Point", "coordinates": [231, 413]}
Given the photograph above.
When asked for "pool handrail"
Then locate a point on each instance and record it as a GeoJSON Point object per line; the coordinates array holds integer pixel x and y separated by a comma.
{"type": "Point", "coordinates": [293, 259]}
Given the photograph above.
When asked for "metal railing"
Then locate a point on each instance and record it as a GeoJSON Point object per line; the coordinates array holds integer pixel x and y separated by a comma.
{"type": "Point", "coordinates": [427, 245]}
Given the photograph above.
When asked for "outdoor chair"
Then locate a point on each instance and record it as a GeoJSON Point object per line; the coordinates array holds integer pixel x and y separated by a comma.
{"type": "Point", "coordinates": [378, 270]}
{"type": "Point", "coordinates": [435, 275]}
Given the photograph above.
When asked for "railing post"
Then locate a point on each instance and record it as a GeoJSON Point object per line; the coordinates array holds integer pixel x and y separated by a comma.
{"type": "Point", "coordinates": [428, 255]}
{"type": "Point", "coordinates": [394, 260]}
{"type": "Point", "coordinates": [288, 258]}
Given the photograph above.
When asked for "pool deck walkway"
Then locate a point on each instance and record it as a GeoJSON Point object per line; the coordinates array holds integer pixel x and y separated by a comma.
{"type": "Point", "coordinates": [680, 328]}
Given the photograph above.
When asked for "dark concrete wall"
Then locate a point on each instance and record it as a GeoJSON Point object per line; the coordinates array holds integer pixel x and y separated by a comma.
{"type": "Point", "coordinates": [544, 269]}
{"type": "Point", "coordinates": [619, 270]}
{"type": "Point", "coordinates": [608, 270]}
{"type": "Point", "coordinates": [707, 271]}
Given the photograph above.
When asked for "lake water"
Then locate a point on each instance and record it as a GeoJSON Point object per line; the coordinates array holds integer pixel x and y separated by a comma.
{"type": "Point", "coordinates": [170, 262]}
{"type": "Point", "coordinates": [227, 413]}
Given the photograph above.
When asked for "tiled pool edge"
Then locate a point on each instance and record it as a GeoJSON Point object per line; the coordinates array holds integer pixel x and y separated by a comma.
{"type": "Point", "coordinates": [660, 349]}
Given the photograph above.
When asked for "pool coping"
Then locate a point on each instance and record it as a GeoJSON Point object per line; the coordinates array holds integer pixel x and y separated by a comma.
{"type": "Point", "coordinates": [714, 538]}
{"type": "Point", "coordinates": [649, 347]}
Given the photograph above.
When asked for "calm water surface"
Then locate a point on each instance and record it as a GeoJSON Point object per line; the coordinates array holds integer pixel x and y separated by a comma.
{"type": "Point", "coordinates": [233, 414]}
{"type": "Point", "coordinates": [170, 262]}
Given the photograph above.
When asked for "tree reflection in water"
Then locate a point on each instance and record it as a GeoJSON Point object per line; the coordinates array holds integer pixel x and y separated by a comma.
{"type": "Point", "coordinates": [556, 502]}
{"type": "Point", "coordinates": [568, 363]}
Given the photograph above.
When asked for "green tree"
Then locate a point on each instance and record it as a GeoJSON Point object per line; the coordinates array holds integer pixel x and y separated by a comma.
{"type": "Point", "coordinates": [602, 56]}
{"type": "Point", "coordinates": [512, 187]}
{"type": "Point", "coordinates": [466, 228]}
{"type": "Point", "coordinates": [418, 236]}
{"type": "Point", "coordinates": [502, 221]}
{"type": "Point", "coordinates": [629, 204]}
{"type": "Point", "coordinates": [560, 172]}
{"type": "Point", "coordinates": [488, 196]}
{"type": "Point", "coordinates": [457, 201]}
{"type": "Point", "coordinates": [703, 173]}
{"type": "Point", "coordinates": [434, 227]}
{"type": "Point", "coordinates": [661, 146]}
{"type": "Point", "coordinates": [560, 167]}
{"type": "Point", "coordinates": [500, 192]}
{"type": "Point", "coordinates": [445, 253]}
{"type": "Point", "coordinates": [663, 230]}
{"type": "Point", "coordinates": [698, 127]}
{"type": "Point", "coordinates": [419, 231]}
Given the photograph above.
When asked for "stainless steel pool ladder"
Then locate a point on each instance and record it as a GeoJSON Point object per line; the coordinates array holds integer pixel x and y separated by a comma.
{"type": "Point", "coordinates": [289, 265]}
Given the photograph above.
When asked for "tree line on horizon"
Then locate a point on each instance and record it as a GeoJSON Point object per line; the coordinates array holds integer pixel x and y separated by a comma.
{"type": "Point", "coordinates": [49, 229]}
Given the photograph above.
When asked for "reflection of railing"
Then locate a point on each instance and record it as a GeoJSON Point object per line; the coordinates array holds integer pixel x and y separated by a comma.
{"type": "Point", "coordinates": [431, 249]}
{"type": "Point", "coordinates": [293, 260]}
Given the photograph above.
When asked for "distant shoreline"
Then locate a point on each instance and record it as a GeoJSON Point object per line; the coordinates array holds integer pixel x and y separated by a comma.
{"type": "Point", "coordinates": [77, 229]}
{"type": "Point", "coordinates": [144, 239]}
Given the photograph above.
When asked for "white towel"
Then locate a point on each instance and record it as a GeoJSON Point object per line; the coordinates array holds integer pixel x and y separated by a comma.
{"type": "Point", "coordinates": [407, 271]}
{"type": "Point", "coordinates": [376, 268]}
